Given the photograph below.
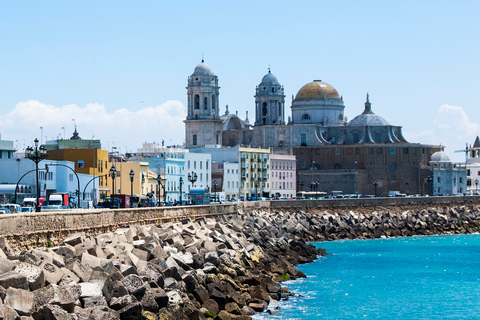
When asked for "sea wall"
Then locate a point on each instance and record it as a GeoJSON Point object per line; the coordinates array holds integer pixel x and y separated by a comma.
{"type": "Point", "coordinates": [30, 230]}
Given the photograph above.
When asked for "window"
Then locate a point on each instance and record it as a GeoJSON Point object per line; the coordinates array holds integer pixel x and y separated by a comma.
{"type": "Point", "coordinates": [460, 180]}
{"type": "Point", "coordinates": [303, 139]}
{"type": "Point", "coordinates": [378, 137]}
{"type": "Point", "coordinates": [438, 180]}
{"type": "Point", "coordinates": [80, 164]}
{"type": "Point", "coordinates": [306, 116]}
{"type": "Point", "coordinates": [304, 164]}
{"type": "Point", "coordinates": [206, 165]}
{"type": "Point", "coordinates": [200, 165]}
{"type": "Point", "coordinates": [205, 103]}
{"type": "Point", "coordinates": [197, 102]}
{"type": "Point", "coordinates": [337, 152]}
{"type": "Point", "coordinates": [194, 164]}
{"type": "Point", "coordinates": [188, 164]}
{"type": "Point", "coordinates": [194, 140]}
{"type": "Point", "coordinates": [392, 150]}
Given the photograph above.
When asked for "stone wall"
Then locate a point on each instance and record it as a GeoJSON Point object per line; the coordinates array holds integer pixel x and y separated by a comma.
{"type": "Point", "coordinates": [30, 230]}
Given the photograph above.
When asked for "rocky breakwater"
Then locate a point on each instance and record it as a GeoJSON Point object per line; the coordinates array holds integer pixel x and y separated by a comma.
{"type": "Point", "coordinates": [228, 267]}
{"type": "Point", "coordinates": [387, 223]}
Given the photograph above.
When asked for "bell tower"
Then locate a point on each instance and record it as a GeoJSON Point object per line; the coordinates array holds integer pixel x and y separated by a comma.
{"type": "Point", "coordinates": [203, 124]}
{"type": "Point", "coordinates": [269, 102]}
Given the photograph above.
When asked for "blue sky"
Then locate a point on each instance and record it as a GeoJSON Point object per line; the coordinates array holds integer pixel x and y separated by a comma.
{"type": "Point", "coordinates": [120, 68]}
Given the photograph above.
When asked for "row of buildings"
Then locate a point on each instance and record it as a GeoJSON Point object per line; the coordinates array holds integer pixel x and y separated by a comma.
{"type": "Point", "coordinates": [315, 148]}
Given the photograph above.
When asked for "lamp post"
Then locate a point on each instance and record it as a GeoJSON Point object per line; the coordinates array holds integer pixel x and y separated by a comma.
{"type": "Point", "coordinates": [113, 173]}
{"type": "Point", "coordinates": [160, 185]}
{"type": "Point", "coordinates": [215, 190]}
{"type": "Point", "coordinates": [256, 190]}
{"type": "Point", "coordinates": [313, 166]}
{"type": "Point", "coordinates": [36, 155]}
{"type": "Point", "coordinates": [375, 184]}
{"type": "Point", "coordinates": [476, 185]}
{"type": "Point", "coordinates": [429, 184]}
{"type": "Point", "coordinates": [316, 189]}
{"type": "Point", "coordinates": [181, 181]}
{"type": "Point", "coordinates": [132, 175]}
{"type": "Point", "coordinates": [301, 183]}
{"type": "Point", "coordinates": [192, 178]}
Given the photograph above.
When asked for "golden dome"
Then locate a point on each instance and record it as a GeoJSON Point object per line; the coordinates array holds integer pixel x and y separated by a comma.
{"type": "Point", "coordinates": [317, 90]}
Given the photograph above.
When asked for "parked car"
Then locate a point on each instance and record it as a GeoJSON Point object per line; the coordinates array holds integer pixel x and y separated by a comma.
{"type": "Point", "coordinates": [4, 210]}
{"type": "Point", "coordinates": [28, 209]}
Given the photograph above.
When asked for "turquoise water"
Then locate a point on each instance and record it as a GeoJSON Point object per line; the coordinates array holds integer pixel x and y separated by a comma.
{"type": "Point", "coordinates": [428, 277]}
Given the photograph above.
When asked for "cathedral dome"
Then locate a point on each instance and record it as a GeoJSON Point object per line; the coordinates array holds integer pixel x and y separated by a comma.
{"type": "Point", "coordinates": [368, 119]}
{"type": "Point", "coordinates": [203, 69]}
{"type": "Point", "coordinates": [317, 90]}
{"type": "Point", "coordinates": [269, 79]}
{"type": "Point", "coordinates": [441, 156]}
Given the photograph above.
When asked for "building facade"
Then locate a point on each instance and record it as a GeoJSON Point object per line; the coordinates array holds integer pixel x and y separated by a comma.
{"type": "Point", "coordinates": [283, 180]}
{"type": "Point", "coordinates": [449, 178]}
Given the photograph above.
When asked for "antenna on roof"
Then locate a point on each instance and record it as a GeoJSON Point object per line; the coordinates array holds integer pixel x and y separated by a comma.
{"type": "Point", "coordinates": [202, 56]}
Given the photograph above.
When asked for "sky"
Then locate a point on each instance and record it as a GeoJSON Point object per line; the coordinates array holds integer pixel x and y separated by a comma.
{"type": "Point", "coordinates": [118, 69]}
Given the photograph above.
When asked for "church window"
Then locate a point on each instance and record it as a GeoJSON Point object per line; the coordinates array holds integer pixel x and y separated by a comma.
{"type": "Point", "coordinates": [205, 103]}
{"type": "Point", "coordinates": [194, 140]}
{"type": "Point", "coordinates": [303, 139]}
{"type": "Point", "coordinates": [392, 150]}
{"type": "Point", "coordinates": [392, 178]}
{"type": "Point", "coordinates": [197, 101]}
{"type": "Point", "coordinates": [405, 150]}
{"type": "Point", "coordinates": [264, 109]}
{"type": "Point", "coordinates": [216, 137]}
{"type": "Point", "coordinates": [338, 166]}
{"type": "Point", "coordinates": [306, 116]}
{"type": "Point", "coordinates": [273, 89]}
{"type": "Point", "coordinates": [213, 102]}
{"type": "Point", "coordinates": [337, 152]}
{"type": "Point", "coordinates": [280, 109]}
{"type": "Point", "coordinates": [340, 117]}
{"type": "Point", "coordinates": [378, 137]}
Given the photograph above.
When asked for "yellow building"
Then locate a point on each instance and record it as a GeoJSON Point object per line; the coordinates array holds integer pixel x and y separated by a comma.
{"type": "Point", "coordinates": [254, 172]}
{"type": "Point", "coordinates": [87, 161]}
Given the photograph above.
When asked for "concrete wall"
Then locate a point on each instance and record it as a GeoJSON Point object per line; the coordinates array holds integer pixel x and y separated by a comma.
{"type": "Point", "coordinates": [28, 230]}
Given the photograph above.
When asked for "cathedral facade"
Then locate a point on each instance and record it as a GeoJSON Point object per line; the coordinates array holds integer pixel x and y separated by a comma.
{"type": "Point", "coordinates": [364, 155]}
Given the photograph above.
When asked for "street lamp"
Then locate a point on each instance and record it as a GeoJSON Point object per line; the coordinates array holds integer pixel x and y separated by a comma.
{"type": "Point", "coordinates": [215, 190]}
{"type": "Point", "coordinates": [476, 185]}
{"type": "Point", "coordinates": [113, 173]}
{"type": "Point", "coordinates": [375, 184]}
{"type": "Point", "coordinates": [160, 185]}
{"type": "Point", "coordinates": [132, 175]}
{"type": "Point", "coordinates": [192, 178]}
{"type": "Point", "coordinates": [36, 155]}
{"type": "Point", "coordinates": [316, 189]}
{"type": "Point", "coordinates": [256, 190]}
{"type": "Point", "coordinates": [301, 183]}
{"type": "Point", "coordinates": [181, 181]}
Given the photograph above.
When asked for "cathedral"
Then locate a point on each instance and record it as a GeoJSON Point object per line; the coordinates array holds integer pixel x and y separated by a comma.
{"type": "Point", "coordinates": [364, 155]}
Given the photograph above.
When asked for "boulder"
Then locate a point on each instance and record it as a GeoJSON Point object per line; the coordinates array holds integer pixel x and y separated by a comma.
{"type": "Point", "coordinates": [20, 300]}
{"type": "Point", "coordinates": [14, 279]}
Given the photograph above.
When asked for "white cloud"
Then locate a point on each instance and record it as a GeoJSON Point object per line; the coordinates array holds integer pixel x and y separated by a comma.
{"type": "Point", "coordinates": [120, 128]}
{"type": "Point", "coordinates": [452, 128]}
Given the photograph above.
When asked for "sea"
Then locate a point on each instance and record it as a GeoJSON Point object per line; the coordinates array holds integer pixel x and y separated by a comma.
{"type": "Point", "coordinates": [422, 277]}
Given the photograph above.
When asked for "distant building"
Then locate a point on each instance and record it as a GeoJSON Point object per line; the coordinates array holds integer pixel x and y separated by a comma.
{"type": "Point", "coordinates": [449, 178]}
{"type": "Point", "coordinates": [331, 152]}
{"type": "Point", "coordinates": [283, 180]}
{"type": "Point", "coordinates": [473, 167]}
{"type": "Point", "coordinates": [6, 149]}
{"type": "Point", "coordinates": [88, 157]}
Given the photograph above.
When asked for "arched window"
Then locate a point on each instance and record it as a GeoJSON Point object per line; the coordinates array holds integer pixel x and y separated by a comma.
{"type": "Point", "coordinates": [213, 102]}
{"type": "Point", "coordinates": [197, 101]}
{"type": "Point", "coordinates": [264, 109]}
{"type": "Point", "coordinates": [340, 117]}
{"type": "Point", "coordinates": [280, 109]}
{"type": "Point", "coordinates": [338, 166]}
{"type": "Point", "coordinates": [306, 116]}
{"type": "Point", "coordinates": [205, 103]}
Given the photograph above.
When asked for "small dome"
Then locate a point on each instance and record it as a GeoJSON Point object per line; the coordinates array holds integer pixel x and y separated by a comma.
{"type": "Point", "coordinates": [317, 90]}
{"type": "Point", "coordinates": [269, 79]}
{"type": "Point", "coordinates": [441, 156]}
{"type": "Point", "coordinates": [203, 69]}
{"type": "Point", "coordinates": [368, 119]}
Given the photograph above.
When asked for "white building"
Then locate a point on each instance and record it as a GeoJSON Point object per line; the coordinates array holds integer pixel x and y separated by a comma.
{"type": "Point", "coordinates": [473, 168]}
{"type": "Point", "coordinates": [283, 176]}
{"type": "Point", "coordinates": [449, 178]}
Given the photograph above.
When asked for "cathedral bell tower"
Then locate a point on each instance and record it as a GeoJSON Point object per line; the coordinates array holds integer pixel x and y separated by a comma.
{"type": "Point", "coordinates": [203, 125]}
{"type": "Point", "coordinates": [269, 102]}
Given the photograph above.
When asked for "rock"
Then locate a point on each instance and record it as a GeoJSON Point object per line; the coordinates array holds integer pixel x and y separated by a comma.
{"type": "Point", "coordinates": [134, 284]}
{"type": "Point", "coordinates": [52, 312]}
{"type": "Point", "coordinates": [118, 303]}
{"type": "Point", "coordinates": [35, 275]}
{"type": "Point", "coordinates": [211, 305]}
{"type": "Point", "coordinates": [174, 297]}
{"type": "Point", "coordinates": [14, 279]}
{"type": "Point", "coordinates": [20, 300]}
{"type": "Point", "coordinates": [95, 301]}
{"type": "Point", "coordinates": [131, 312]}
